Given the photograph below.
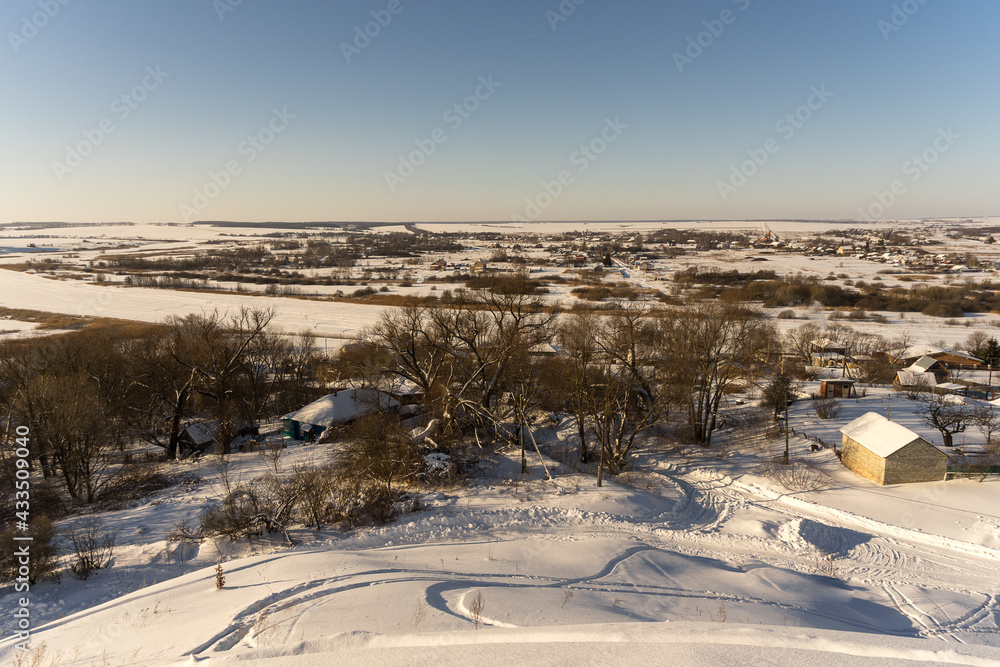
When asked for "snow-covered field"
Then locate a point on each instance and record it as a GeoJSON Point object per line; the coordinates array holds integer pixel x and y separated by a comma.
{"type": "Point", "coordinates": [35, 292]}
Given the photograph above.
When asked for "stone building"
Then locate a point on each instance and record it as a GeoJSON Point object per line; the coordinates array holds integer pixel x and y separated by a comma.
{"type": "Point", "coordinates": [888, 453]}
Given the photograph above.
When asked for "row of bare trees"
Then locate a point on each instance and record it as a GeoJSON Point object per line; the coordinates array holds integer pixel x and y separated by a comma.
{"type": "Point", "coordinates": [483, 366]}
{"type": "Point", "coordinates": [88, 394]}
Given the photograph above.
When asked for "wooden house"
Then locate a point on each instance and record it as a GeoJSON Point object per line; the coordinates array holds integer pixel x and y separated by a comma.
{"type": "Point", "coordinates": [946, 357]}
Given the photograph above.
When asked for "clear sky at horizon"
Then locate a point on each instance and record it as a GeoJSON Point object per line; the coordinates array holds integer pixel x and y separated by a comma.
{"type": "Point", "coordinates": [260, 110]}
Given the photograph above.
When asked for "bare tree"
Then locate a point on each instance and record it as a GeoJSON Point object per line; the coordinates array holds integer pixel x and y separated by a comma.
{"type": "Point", "coordinates": [629, 397]}
{"type": "Point", "coordinates": [947, 417]}
{"type": "Point", "coordinates": [217, 355]}
{"type": "Point", "coordinates": [987, 420]}
{"type": "Point", "coordinates": [710, 347]}
{"type": "Point", "coordinates": [578, 336]}
{"type": "Point", "coordinates": [799, 340]}
{"type": "Point", "coordinates": [414, 349]}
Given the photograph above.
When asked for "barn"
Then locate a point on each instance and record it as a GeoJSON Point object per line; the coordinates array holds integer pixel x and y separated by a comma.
{"type": "Point", "coordinates": [340, 407]}
{"type": "Point", "coordinates": [889, 453]}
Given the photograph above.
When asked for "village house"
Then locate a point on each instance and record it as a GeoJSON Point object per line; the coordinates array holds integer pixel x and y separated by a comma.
{"type": "Point", "coordinates": [914, 381]}
{"type": "Point", "coordinates": [946, 357]}
{"type": "Point", "coordinates": [886, 452]}
{"type": "Point", "coordinates": [931, 366]}
{"type": "Point", "coordinates": [340, 407]}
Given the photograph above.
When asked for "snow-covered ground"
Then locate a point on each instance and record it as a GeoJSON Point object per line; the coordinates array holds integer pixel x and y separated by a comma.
{"type": "Point", "coordinates": [695, 559]}
{"type": "Point", "coordinates": [698, 558]}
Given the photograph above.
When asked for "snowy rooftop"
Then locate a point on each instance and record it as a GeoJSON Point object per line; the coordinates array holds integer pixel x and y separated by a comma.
{"type": "Point", "coordinates": [880, 435]}
{"type": "Point", "coordinates": [916, 379]}
{"type": "Point", "coordinates": [922, 365]}
{"type": "Point", "coordinates": [342, 406]}
{"type": "Point", "coordinates": [930, 350]}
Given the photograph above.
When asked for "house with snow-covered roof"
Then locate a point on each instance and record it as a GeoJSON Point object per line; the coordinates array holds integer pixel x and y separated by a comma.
{"type": "Point", "coordinates": [340, 407]}
{"type": "Point", "coordinates": [946, 357]}
{"type": "Point", "coordinates": [886, 452]}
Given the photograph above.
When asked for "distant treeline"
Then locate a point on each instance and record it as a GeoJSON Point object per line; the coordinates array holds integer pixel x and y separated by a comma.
{"type": "Point", "coordinates": [758, 286]}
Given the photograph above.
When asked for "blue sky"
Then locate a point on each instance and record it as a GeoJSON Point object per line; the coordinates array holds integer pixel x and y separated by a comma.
{"type": "Point", "coordinates": [256, 110]}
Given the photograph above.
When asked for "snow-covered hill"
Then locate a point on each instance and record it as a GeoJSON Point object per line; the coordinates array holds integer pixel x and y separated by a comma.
{"type": "Point", "coordinates": [699, 561]}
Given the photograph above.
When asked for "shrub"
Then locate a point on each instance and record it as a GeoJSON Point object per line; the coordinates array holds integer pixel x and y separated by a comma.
{"type": "Point", "coordinates": [249, 510]}
{"type": "Point", "coordinates": [316, 489]}
{"type": "Point", "coordinates": [788, 314]}
{"type": "Point", "coordinates": [135, 482]}
{"type": "Point", "coordinates": [943, 309]}
{"type": "Point", "coordinates": [93, 546]}
{"type": "Point", "coordinates": [826, 408]}
{"type": "Point", "coordinates": [42, 552]}
{"type": "Point", "coordinates": [379, 452]}
{"type": "Point", "coordinates": [47, 497]}
{"type": "Point", "coordinates": [359, 503]}
{"type": "Point", "coordinates": [796, 476]}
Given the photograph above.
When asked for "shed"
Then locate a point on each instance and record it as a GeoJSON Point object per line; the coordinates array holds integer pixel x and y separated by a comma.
{"type": "Point", "coordinates": [953, 388]}
{"type": "Point", "coordinates": [339, 407]}
{"type": "Point", "coordinates": [836, 388]}
{"type": "Point", "coordinates": [197, 436]}
{"type": "Point", "coordinates": [889, 453]}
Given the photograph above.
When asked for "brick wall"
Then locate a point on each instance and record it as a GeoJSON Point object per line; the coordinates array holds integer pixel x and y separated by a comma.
{"type": "Point", "coordinates": [919, 461]}
{"type": "Point", "coordinates": [862, 461]}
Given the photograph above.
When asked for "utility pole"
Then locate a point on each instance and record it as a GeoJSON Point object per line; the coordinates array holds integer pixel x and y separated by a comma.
{"type": "Point", "coordinates": [786, 385]}
{"type": "Point", "coordinates": [785, 459]}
